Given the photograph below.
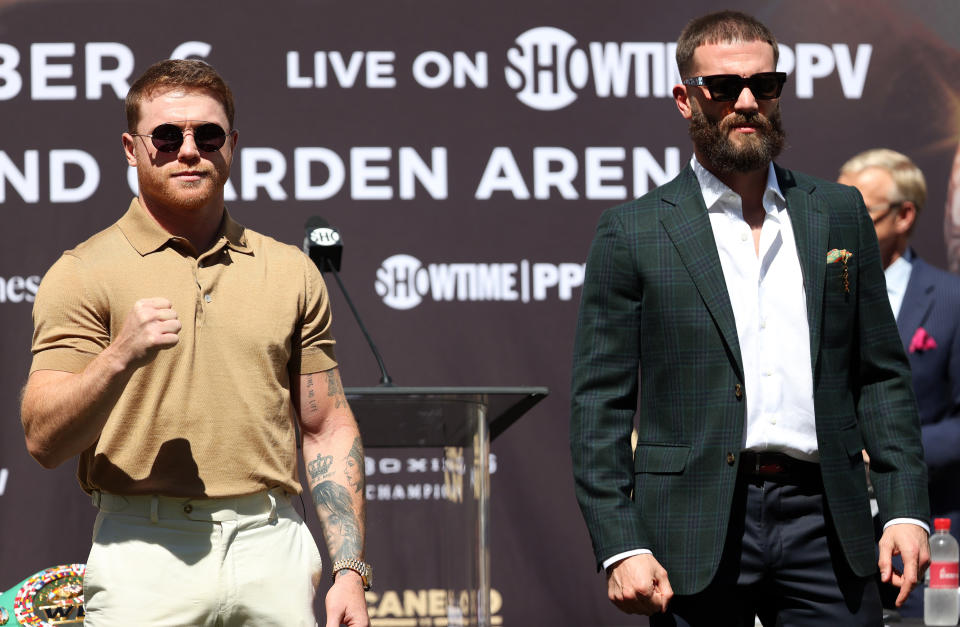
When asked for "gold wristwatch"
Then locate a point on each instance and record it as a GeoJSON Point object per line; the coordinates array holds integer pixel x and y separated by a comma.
{"type": "Point", "coordinates": [358, 566]}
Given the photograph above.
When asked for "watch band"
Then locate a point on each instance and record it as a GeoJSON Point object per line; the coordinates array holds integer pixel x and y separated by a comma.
{"type": "Point", "coordinates": [358, 566]}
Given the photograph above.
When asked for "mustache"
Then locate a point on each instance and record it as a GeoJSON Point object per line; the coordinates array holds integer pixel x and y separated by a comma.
{"type": "Point", "coordinates": [757, 120]}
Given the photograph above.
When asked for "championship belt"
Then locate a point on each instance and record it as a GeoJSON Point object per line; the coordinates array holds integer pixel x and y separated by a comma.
{"type": "Point", "coordinates": [51, 597]}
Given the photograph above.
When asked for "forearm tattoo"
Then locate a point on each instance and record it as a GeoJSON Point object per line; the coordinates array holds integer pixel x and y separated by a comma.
{"type": "Point", "coordinates": [320, 467]}
{"type": "Point", "coordinates": [311, 395]}
{"type": "Point", "coordinates": [341, 527]}
{"type": "Point", "coordinates": [335, 389]}
{"type": "Point", "coordinates": [353, 468]}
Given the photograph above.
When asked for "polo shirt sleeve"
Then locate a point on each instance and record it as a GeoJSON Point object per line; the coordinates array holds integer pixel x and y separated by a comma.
{"type": "Point", "coordinates": [316, 340]}
{"type": "Point", "coordinates": [70, 322]}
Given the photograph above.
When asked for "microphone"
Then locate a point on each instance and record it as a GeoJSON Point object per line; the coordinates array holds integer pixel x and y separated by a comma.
{"type": "Point", "coordinates": [323, 244]}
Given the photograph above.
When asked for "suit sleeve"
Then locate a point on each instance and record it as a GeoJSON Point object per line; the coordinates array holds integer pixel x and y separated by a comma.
{"type": "Point", "coordinates": [604, 392]}
{"type": "Point", "coordinates": [941, 439]}
{"type": "Point", "coordinates": [886, 408]}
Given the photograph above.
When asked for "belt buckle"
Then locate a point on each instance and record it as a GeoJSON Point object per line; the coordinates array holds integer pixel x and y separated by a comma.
{"type": "Point", "coordinates": [771, 468]}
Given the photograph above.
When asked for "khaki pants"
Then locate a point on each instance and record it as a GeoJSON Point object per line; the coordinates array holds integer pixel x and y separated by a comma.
{"type": "Point", "coordinates": [160, 561]}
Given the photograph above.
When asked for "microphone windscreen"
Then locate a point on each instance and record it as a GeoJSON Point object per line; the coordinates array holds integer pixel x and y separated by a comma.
{"type": "Point", "coordinates": [315, 222]}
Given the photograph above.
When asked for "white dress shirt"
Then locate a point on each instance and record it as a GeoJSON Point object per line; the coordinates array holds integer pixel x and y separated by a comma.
{"type": "Point", "coordinates": [897, 275]}
{"type": "Point", "coordinates": [770, 308]}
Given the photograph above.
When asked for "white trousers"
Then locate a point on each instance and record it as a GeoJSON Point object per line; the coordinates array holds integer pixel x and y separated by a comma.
{"type": "Point", "coordinates": [160, 561]}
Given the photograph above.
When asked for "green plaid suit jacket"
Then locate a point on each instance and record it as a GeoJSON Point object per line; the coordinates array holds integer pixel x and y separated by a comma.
{"type": "Point", "coordinates": [656, 325]}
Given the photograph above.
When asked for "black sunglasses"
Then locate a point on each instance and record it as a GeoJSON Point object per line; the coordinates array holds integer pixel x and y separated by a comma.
{"type": "Point", "coordinates": [208, 137]}
{"type": "Point", "coordinates": [727, 87]}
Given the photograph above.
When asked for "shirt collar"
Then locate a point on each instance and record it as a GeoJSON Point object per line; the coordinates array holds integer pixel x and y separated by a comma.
{"type": "Point", "coordinates": [897, 273]}
{"type": "Point", "coordinates": [147, 236]}
{"type": "Point", "coordinates": [713, 189]}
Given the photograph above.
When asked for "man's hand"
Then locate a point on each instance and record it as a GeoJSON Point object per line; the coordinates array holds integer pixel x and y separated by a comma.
{"type": "Point", "coordinates": [910, 542]}
{"type": "Point", "coordinates": [151, 325]}
{"type": "Point", "coordinates": [639, 585]}
{"type": "Point", "coordinates": [345, 602]}
{"type": "Point", "coordinates": [63, 413]}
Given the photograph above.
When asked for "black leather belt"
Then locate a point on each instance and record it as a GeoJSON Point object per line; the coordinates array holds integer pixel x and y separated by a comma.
{"type": "Point", "coordinates": [778, 467]}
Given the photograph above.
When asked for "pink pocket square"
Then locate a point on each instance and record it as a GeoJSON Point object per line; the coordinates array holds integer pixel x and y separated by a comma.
{"type": "Point", "coordinates": [922, 341]}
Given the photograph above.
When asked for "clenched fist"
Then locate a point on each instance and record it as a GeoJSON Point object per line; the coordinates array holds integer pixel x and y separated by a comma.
{"type": "Point", "coordinates": [151, 326]}
{"type": "Point", "coordinates": [639, 585]}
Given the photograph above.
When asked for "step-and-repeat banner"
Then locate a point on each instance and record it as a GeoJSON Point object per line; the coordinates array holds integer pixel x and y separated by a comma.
{"type": "Point", "coordinates": [465, 151]}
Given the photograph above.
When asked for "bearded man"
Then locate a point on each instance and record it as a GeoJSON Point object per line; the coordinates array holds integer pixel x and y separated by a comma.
{"type": "Point", "coordinates": [741, 308]}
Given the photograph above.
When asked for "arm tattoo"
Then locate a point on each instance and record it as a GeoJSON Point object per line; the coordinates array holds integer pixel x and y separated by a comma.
{"type": "Point", "coordinates": [353, 468]}
{"type": "Point", "coordinates": [340, 526]}
{"type": "Point", "coordinates": [311, 395]}
{"type": "Point", "coordinates": [335, 389]}
{"type": "Point", "coordinates": [320, 467]}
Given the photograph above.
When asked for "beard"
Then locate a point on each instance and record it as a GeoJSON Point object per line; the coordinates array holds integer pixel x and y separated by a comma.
{"type": "Point", "coordinates": [712, 140]}
{"type": "Point", "coordinates": [159, 187]}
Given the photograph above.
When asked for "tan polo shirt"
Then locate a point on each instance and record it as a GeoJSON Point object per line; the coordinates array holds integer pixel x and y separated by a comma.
{"type": "Point", "coordinates": [211, 416]}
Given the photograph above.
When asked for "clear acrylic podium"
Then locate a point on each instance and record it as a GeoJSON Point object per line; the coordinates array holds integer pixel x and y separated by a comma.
{"type": "Point", "coordinates": [461, 421]}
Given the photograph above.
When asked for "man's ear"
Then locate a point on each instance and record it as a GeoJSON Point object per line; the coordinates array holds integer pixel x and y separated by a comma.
{"type": "Point", "coordinates": [906, 216]}
{"type": "Point", "coordinates": [682, 98]}
{"type": "Point", "coordinates": [128, 149]}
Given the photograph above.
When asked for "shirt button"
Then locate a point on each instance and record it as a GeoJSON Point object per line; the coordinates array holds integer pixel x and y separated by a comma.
{"type": "Point", "coordinates": [731, 459]}
{"type": "Point", "coordinates": [743, 236]}
{"type": "Point", "coordinates": [207, 297]}
{"type": "Point", "coordinates": [773, 420]}
{"type": "Point", "coordinates": [763, 323]}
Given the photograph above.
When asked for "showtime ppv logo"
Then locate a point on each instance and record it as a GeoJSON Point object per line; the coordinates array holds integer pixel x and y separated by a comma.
{"type": "Point", "coordinates": [403, 281]}
{"type": "Point", "coordinates": [546, 69]}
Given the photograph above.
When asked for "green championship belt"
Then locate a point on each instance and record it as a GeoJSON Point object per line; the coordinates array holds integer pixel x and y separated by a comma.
{"type": "Point", "coordinates": [51, 597]}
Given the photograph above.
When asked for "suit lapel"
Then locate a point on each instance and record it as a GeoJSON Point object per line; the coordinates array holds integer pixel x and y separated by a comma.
{"type": "Point", "coordinates": [917, 302]}
{"type": "Point", "coordinates": [811, 229]}
{"type": "Point", "coordinates": [688, 227]}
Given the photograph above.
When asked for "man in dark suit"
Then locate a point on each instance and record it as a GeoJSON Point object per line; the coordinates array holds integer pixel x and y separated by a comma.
{"type": "Point", "coordinates": [743, 305]}
{"type": "Point", "coordinates": [926, 303]}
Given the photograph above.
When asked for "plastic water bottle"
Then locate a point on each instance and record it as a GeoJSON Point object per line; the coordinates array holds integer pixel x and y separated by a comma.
{"type": "Point", "coordinates": [940, 597]}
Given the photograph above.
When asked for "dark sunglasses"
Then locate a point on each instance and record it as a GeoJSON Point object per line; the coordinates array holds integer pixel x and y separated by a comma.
{"type": "Point", "coordinates": [727, 87]}
{"type": "Point", "coordinates": [208, 137]}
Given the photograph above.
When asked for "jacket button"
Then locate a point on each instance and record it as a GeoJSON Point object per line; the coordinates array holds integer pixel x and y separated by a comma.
{"type": "Point", "coordinates": [731, 459]}
{"type": "Point", "coordinates": [738, 391]}
{"type": "Point", "coordinates": [188, 508]}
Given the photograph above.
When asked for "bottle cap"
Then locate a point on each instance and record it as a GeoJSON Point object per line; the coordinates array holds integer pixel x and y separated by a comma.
{"type": "Point", "coordinates": [941, 524]}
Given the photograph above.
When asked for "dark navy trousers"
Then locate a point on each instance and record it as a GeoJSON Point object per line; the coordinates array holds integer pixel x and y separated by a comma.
{"type": "Point", "coordinates": [783, 563]}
